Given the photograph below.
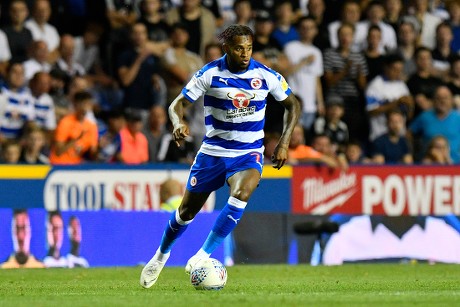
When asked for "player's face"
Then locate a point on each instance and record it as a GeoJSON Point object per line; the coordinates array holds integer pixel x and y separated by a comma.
{"type": "Point", "coordinates": [239, 52]}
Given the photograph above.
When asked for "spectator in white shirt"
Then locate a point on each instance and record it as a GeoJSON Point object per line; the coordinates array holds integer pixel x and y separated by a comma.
{"type": "Point", "coordinates": [5, 54]}
{"type": "Point", "coordinates": [38, 61]}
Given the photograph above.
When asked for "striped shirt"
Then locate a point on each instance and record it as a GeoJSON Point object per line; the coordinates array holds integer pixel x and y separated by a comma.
{"type": "Point", "coordinates": [45, 116]}
{"type": "Point", "coordinates": [335, 62]}
{"type": "Point", "coordinates": [17, 110]}
{"type": "Point", "coordinates": [234, 105]}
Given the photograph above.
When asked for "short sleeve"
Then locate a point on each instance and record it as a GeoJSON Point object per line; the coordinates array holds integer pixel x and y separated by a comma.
{"type": "Point", "coordinates": [278, 86]}
{"type": "Point", "coordinates": [197, 86]}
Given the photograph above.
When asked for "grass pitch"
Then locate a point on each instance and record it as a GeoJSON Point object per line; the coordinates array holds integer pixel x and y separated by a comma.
{"type": "Point", "coordinates": [247, 285]}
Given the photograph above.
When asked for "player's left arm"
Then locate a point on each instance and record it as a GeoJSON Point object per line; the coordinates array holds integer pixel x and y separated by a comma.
{"type": "Point", "coordinates": [280, 154]}
{"type": "Point", "coordinates": [176, 115]}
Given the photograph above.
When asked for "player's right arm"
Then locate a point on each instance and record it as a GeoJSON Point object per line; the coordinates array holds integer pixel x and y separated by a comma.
{"type": "Point", "coordinates": [176, 115]}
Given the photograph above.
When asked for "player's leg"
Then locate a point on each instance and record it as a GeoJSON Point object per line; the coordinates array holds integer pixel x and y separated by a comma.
{"type": "Point", "coordinates": [242, 183]}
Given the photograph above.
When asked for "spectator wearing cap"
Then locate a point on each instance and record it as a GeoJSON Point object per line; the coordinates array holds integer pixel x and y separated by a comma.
{"type": "Point", "coordinates": [133, 143]}
{"type": "Point", "coordinates": [76, 137]}
{"type": "Point", "coordinates": [385, 93]}
{"type": "Point", "coordinates": [331, 123]}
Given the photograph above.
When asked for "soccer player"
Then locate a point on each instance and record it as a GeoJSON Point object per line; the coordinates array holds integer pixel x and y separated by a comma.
{"type": "Point", "coordinates": [235, 88]}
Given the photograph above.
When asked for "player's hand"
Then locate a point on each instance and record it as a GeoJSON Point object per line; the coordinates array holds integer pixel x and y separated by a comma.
{"type": "Point", "coordinates": [180, 132]}
{"type": "Point", "coordinates": [279, 157]}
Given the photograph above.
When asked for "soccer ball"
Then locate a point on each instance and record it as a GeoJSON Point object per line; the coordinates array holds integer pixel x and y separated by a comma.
{"type": "Point", "coordinates": [208, 274]}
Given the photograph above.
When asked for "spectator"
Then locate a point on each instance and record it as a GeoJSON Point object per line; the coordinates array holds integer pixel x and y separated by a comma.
{"type": "Point", "coordinates": [57, 92]}
{"type": "Point", "coordinates": [393, 147]}
{"type": "Point", "coordinates": [34, 146]}
{"type": "Point", "coordinates": [243, 13]}
{"type": "Point", "coordinates": [139, 70]}
{"type": "Point", "coordinates": [453, 80]}
{"type": "Point", "coordinates": [179, 63]}
{"type": "Point", "coordinates": [454, 12]}
{"type": "Point", "coordinates": [374, 56]}
{"type": "Point", "coordinates": [133, 143]}
{"type": "Point", "coordinates": [194, 16]}
{"type": "Point", "coordinates": [345, 74]}
{"type": "Point", "coordinates": [86, 48]}
{"type": "Point", "coordinates": [387, 92]}
{"type": "Point", "coordinates": [66, 62]}
{"type": "Point", "coordinates": [284, 30]}
{"type": "Point", "coordinates": [394, 11]}
{"type": "Point", "coordinates": [332, 125]}
{"type": "Point", "coordinates": [109, 141]}
{"type": "Point", "coordinates": [301, 153]}
{"type": "Point", "coordinates": [19, 37]}
{"type": "Point", "coordinates": [38, 62]}
{"type": "Point", "coordinates": [45, 116]}
{"type": "Point", "coordinates": [11, 151]}
{"type": "Point", "coordinates": [354, 153]}
{"type": "Point", "coordinates": [316, 10]}
{"type": "Point", "coordinates": [423, 83]}
{"type": "Point", "coordinates": [443, 54]}
{"type": "Point", "coordinates": [375, 12]}
{"type": "Point", "coordinates": [351, 13]}
{"type": "Point", "coordinates": [438, 151]}
{"type": "Point", "coordinates": [5, 54]}
{"type": "Point", "coordinates": [21, 233]}
{"type": "Point", "coordinates": [18, 109]}
{"type": "Point", "coordinates": [42, 30]}
{"type": "Point", "coordinates": [75, 139]}
{"type": "Point", "coordinates": [170, 195]}
{"type": "Point", "coordinates": [170, 152]}
{"type": "Point", "coordinates": [212, 52]}
{"type": "Point", "coordinates": [306, 70]}
{"type": "Point", "coordinates": [408, 31]}
{"type": "Point", "coordinates": [153, 19]}
{"type": "Point", "coordinates": [428, 21]}
{"type": "Point", "coordinates": [441, 120]}
{"type": "Point", "coordinates": [155, 130]}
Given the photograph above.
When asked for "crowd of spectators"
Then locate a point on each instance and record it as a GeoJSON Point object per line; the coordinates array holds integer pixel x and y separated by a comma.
{"type": "Point", "coordinates": [81, 80]}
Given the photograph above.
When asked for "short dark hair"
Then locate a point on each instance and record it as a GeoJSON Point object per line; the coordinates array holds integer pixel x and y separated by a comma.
{"type": "Point", "coordinates": [82, 96]}
{"type": "Point", "coordinates": [392, 58]}
{"type": "Point", "coordinates": [229, 34]}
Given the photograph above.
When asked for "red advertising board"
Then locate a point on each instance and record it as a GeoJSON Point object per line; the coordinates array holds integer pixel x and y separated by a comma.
{"type": "Point", "coordinates": [387, 190]}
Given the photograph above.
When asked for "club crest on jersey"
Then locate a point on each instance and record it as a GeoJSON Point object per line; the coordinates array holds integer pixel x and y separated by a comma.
{"type": "Point", "coordinates": [240, 100]}
{"type": "Point", "coordinates": [256, 83]}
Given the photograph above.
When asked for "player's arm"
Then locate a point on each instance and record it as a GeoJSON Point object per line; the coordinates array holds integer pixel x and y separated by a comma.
{"type": "Point", "coordinates": [280, 154]}
{"type": "Point", "coordinates": [176, 115]}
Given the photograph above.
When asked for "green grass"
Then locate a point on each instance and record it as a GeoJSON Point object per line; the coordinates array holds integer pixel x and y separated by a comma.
{"type": "Point", "coordinates": [248, 285]}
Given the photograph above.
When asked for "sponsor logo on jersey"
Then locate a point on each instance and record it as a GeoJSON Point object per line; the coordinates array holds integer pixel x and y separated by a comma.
{"type": "Point", "coordinates": [256, 83]}
{"type": "Point", "coordinates": [240, 100]}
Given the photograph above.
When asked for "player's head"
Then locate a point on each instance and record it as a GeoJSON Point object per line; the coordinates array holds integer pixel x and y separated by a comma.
{"type": "Point", "coordinates": [237, 44]}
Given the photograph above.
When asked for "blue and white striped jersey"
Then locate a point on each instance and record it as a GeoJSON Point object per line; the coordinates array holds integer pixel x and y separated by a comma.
{"type": "Point", "coordinates": [234, 105]}
{"type": "Point", "coordinates": [15, 112]}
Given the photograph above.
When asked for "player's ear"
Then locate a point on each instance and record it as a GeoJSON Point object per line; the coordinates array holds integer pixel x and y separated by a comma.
{"type": "Point", "coordinates": [225, 47]}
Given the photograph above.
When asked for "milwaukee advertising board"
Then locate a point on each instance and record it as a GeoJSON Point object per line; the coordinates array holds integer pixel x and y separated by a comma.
{"type": "Point", "coordinates": [371, 190]}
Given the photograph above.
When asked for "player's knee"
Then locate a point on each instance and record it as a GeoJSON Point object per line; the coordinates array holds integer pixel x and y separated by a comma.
{"type": "Point", "coordinates": [241, 194]}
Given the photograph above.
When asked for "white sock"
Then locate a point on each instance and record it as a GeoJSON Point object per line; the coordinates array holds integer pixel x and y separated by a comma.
{"type": "Point", "coordinates": [202, 254]}
{"type": "Point", "coordinates": [160, 256]}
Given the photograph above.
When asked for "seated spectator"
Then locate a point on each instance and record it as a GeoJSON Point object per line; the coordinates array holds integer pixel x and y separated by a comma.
{"type": "Point", "coordinates": [331, 124]}
{"type": "Point", "coordinates": [438, 151]}
{"type": "Point", "coordinates": [154, 131]}
{"type": "Point", "coordinates": [453, 80]}
{"type": "Point", "coordinates": [454, 12]}
{"type": "Point", "coordinates": [443, 53]}
{"type": "Point", "coordinates": [428, 21]}
{"type": "Point", "coordinates": [301, 153]}
{"type": "Point", "coordinates": [34, 146]}
{"type": "Point", "coordinates": [42, 30]}
{"type": "Point", "coordinates": [133, 143]}
{"type": "Point", "coordinates": [66, 62]}
{"type": "Point", "coordinates": [170, 151]}
{"type": "Point", "coordinates": [59, 82]}
{"type": "Point", "coordinates": [45, 116]}
{"type": "Point", "coordinates": [171, 192]}
{"type": "Point", "coordinates": [393, 147]}
{"type": "Point", "coordinates": [5, 54]}
{"type": "Point", "coordinates": [354, 153]}
{"type": "Point", "coordinates": [11, 152]}
{"type": "Point", "coordinates": [322, 143]}
{"type": "Point", "coordinates": [19, 37]}
{"type": "Point", "coordinates": [408, 30]}
{"type": "Point", "coordinates": [441, 120]}
{"type": "Point", "coordinates": [18, 109]}
{"type": "Point", "coordinates": [374, 56]}
{"type": "Point", "coordinates": [152, 17]}
{"type": "Point", "coordinates": [423, 82]}
{"type": "Point", "coordinates": [284, 30]}
{"type": "Point", "coordinates": [387, 92]}
{"type": "Point", "coordinates": [109, 141]}
{"type": "Point", "coordinates": [75, 139]}
{"type": "Point", "coordinates": [38, 61]}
